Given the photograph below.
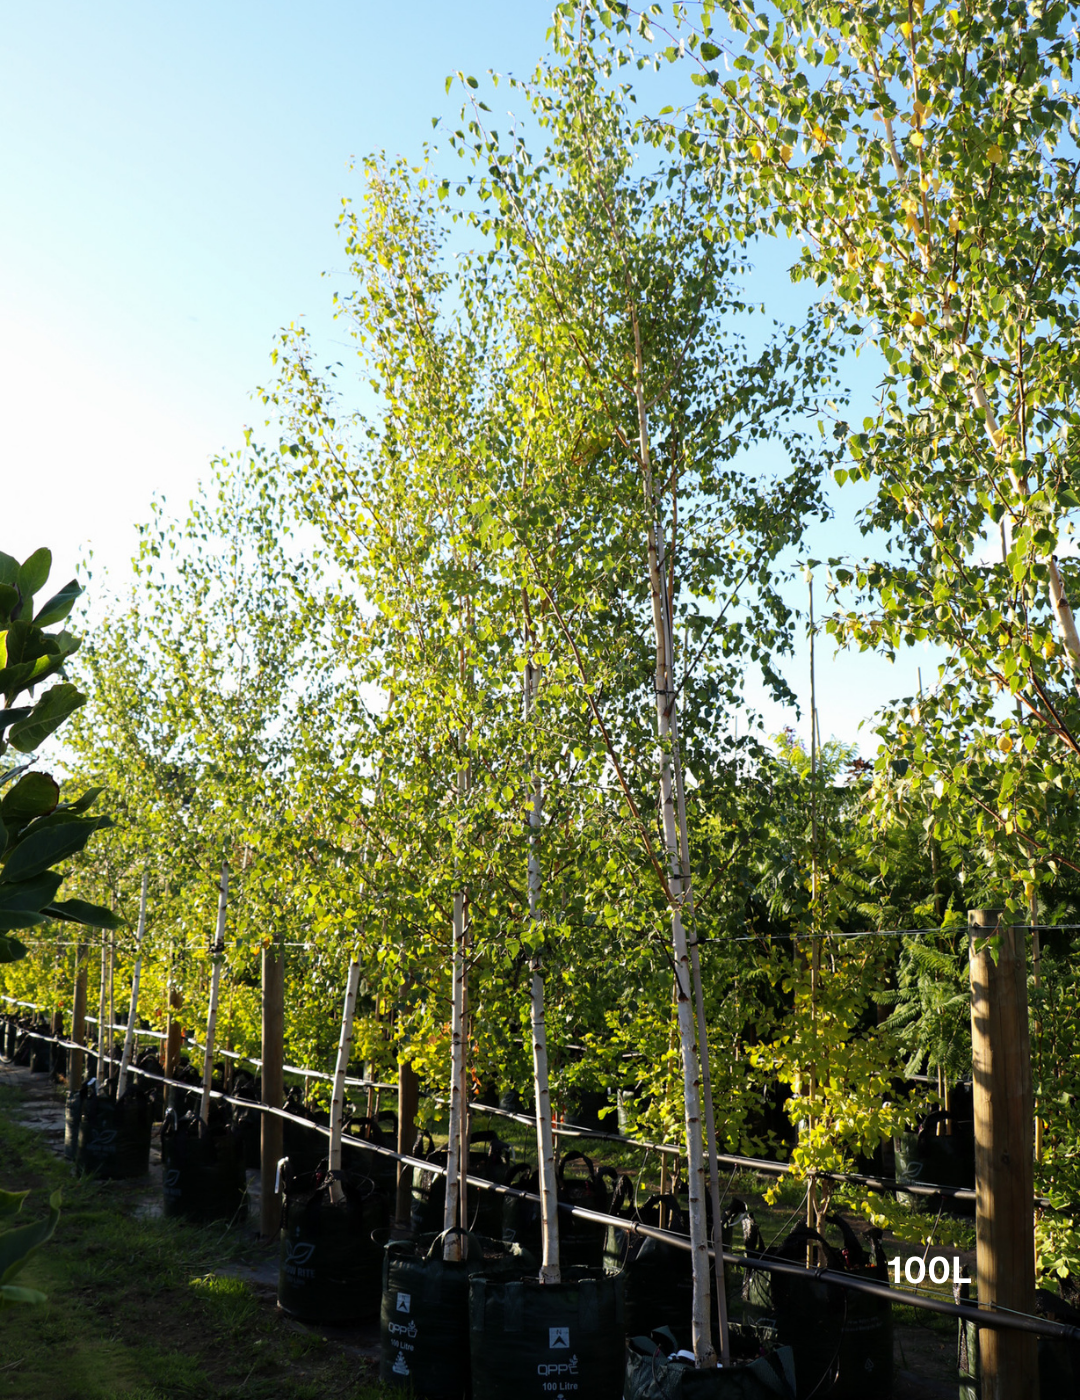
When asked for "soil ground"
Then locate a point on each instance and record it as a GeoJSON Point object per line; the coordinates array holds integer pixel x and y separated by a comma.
{"type": "Point", "coordinates": [145, 1308]}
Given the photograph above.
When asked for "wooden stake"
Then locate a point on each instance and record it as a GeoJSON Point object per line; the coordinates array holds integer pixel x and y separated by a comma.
{"type": "Point", "coordinates": [77, 1058]}
{"type": "Point", "coordinates": [337, 1102]}
{"type": "Point", "coordinates": [129, 1034]}
{"type": "Point", "coordinates": [1004, 1184]}
{"type": "Point", "coordinates": [408, 1103]}
{"type": "Point", "coordinates": [103, 1007]}
{"type": "Point", "coordinates": [215, 988]}
{"type": "Point", "coordinates": [273, 1085]}
{"type": "Point", "coordinates": [110, 1040]}
{"type": "Point", "coordinates": [1036, 964]}
{"type": "Point", "coordinates": [173, 1034]}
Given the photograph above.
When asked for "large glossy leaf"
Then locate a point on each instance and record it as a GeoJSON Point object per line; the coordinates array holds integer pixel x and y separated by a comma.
{"type": "Point", "coordinates": [11, 1293]}
{"type": "Point", "coordinates": [11, 1202]}
{"type": "Point", "coordinates": [43, 847]}
{"type": "Point", "coordinates": [30, 896]}
{"type": "Point", "coordinates": [34, 572]}
{"type": "Point", "coordinates": [78, 911]}
{"type": "Point", "coordinates": [9, 601]}
{"type": "Point", "coordinates": [11, 950]}
{"type": "Point", "coordinates": [48, 714]}
{"type": "Point", "coordinates": [58, 606]}
{"type": "Point", "coordinates": [33, 795]}
{"type": "Point", "coordinates": [16, 1246]}
{"type": "Point", "coordinates": [9, 569]}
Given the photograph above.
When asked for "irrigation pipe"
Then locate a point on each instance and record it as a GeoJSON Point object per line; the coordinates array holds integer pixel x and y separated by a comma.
{"type": "Point", "coordinates": [984, 1317]}
{"type": "Point", "coordinates": [883, 1184]}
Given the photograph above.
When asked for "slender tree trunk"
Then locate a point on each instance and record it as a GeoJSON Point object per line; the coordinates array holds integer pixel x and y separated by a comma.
{"type": "Point", "coordinates": [133, 1011]}
{"type": "Point", "coordinates": [77, 1058]}
{"type": "Point", "coordinates": [112, 1001]}
{"type": "Point", "coordinates": [103, 1007]}
{"type": "Point", "coordinates": [545, 1140]}
{"type": "Point", "coordinates": [454, 1146]}
{"type": "Point", "coordinates": [337, 1102]}
{"type": "Point", "coordinates": [215, 988]}
{"type": "Point", "coordinates": [704, 1352]}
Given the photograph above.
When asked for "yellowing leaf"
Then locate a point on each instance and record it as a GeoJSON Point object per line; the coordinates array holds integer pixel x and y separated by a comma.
{"type": "Point", "coordinates": [1005, 744]}
{"type": "Point", "coordinates": [994, 154]}
{"type": "Point", "coordinates": [917, 318]}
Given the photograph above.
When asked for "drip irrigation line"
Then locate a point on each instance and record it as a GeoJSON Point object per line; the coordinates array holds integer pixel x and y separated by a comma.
{"type": "Point", "coordinates": [1001, 1319]}
{"type": "Point", "coordinates": [884, 1184]}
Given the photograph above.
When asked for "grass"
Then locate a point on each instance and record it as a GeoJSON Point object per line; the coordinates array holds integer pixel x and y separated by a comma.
{"type": "Point", "coordinates": [140, 1308]}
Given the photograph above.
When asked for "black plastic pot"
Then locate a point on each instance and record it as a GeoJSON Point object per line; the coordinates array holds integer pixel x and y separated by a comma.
{"type": "Point", "coordinates": [555, 1341]}
{"type": "Point", "coordinates": [183, 1101]}
{"type": "Point", "coordinates": [331, 1264]}
{"type": "Point", "coordinates": [842, 1340]}
{"type": "Point", "coordinates": [425, 1312]}
{"type": "Point", "coordinates": [925, 1159]}
{"type": "Point", "coordinates": [376, 1166]}
{"type": "Point", "coordinates": [113, 1134]}
{"type": "Point", "coordinates": [581, 1242]}
{"type": "Point", "coordinates": [485, 1207]}
{"type": "Point", "coordinates": [305, 1147]}
{"type": "Point", "coordinates": [1059, 1358]}
{"type": "Point", "coordinates": [655, 1372]}
{"type": "Point", "coordinates": [583, 1111]}
{"type": "Point", "coordinates": [203, 1170]}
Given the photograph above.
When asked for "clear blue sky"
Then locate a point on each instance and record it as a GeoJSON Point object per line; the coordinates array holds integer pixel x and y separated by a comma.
{"type": "Point", "coordinates": [171, 179]}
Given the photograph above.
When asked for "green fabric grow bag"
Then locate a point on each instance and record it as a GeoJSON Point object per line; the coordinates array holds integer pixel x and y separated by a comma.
{"type": "Point", "coordinates": [581, 1242]}
{"type": "Point", "coordinates": [424, 1326]}
{"type": "Point", "coordinates": [556, 1341]}
{"type": "Point", "coordinates": [429, 1187]}
{"type": "Point", "coordinates": [655, 1371]}
{"type": "Point", "coordinates": [330, 1265]}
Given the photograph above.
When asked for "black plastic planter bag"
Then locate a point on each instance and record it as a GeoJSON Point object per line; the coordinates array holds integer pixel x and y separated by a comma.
{"type": "Point", "coordinates": [656, 1371]}
{"type": "Point", "coordinates": [485, 1207]}
{"type": "Point", "coordinates": [425, 1312]}
{"type": "Point", "coordinates": [248, 1121]}
{"type": "Point", "coordinates": [203, 1170]}
{"type": "Point", "coordinates": [924, 1159]}
{"type": "Point", "coordinates": [152, 1073]}
{"type": "Point", "coordinates": [305, 1148]}
{"type": "Point", "coordinates": [114, 1135]}
{"type": "Point", "coordinates": [184, 1101]}
{"type": "Point", "coordinates": [659, 1276]}
{"type": "Point", "coordinates": [1059, 1358]}
{"type": "Point", "coordinates": [331, 1267]}
{"type": "Point", "coordinates": [376, 1166]}
{"type": "Point", "coordinates": [553, 1341]}
{"type": "Point", "coordinates": [581, 1242]}
{"type": "Point", "coordinates": [842, 1339]}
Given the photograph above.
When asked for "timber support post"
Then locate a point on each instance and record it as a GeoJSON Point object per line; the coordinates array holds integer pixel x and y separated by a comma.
{"type": "Point", "coordinates": [408, 1104]}
{"type": "Point", "coordinates": [1004, 1172]}
{"type": "Point", "coordinates": [173, 1033]}
{"type": "Point", "coordinates": [273, 1084]}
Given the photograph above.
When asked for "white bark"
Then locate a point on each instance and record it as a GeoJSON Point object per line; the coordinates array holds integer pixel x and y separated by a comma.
{"type": "Point", "coordinates": [455, 1150]}
{"type": "Point", "coordinates": [337, 1102]}
{"type": "Point", "coordinates": [103, 1007]}
{"type": "Point", "coordinates": [215, 987]}
{"type": "Point", "coordinates": [129, 1034]}
{"type": "Point", "coordinates": [704, 1352]}
{"type": "Point", "coordinates": [545, 1137]}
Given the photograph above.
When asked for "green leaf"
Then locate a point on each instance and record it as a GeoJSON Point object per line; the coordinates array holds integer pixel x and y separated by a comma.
{"type": "Point", "coordinates": [48, 714]}
{"type": "Point", "coordinates": [43, 847]}
{"type": "Point", "coordinates": [33, 795]}
{"type": "Point", "coordinates": [78, 911]}
{"type": "Point", "coordinates": [9, 569]}
{"type": "Point", "coordinates": [58, 606]}
{"type": "Point", "coordinates": [11, 950]}
{"type": "Point", "coordinates": [12, 1293]}
{"type": "Point", "coordinates": [16, 1246]}
{"type": "Point", "coordinates": [11, 1202]}
{"type": "Point", "coordinates": [30, 895]}
{"type": "Point", "coordinates": [34, 572]}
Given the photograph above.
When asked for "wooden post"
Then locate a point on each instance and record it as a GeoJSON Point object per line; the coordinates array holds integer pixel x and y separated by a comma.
{"type": "Point", "coordinates": [1004, 1177]}
{"type": "Point", "coordinates": [408, 1103]}
{"type": "Point", "coordinates": [77, 1058]}
{"type": "Point", "coordinates": [273, 1084]}
{"type": "Point", "coordinates": [173, 1033]}
{"type": "Point", "coordinates": [215, 989]}
{"type": "Point", "coordinates": [337, 1100]}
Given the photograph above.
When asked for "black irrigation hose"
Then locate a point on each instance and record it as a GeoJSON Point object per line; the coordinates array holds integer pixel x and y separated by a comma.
{"type": "Point", "coordinates": [757, 1164]}
{"type": "Point", "coordinates": [985, 1317]}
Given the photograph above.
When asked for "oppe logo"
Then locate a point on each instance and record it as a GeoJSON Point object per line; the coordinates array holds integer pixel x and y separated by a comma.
{"type": "Point", "coordinates": [558, 1337]}
{"type": "Point", "coordinates": [404, 1302]}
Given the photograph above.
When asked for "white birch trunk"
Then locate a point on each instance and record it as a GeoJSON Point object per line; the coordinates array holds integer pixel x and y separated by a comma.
{"type": "Point", "coordinates": [463, 1154]}
{"type": "Point", "coordinates": [129, 1034]}
{"type": "Point", "coordinates": [103, 1007]}
{"type": "Point", "coordinates": [454, 1150]}
{"type": "Point", "coordinates": [545, 1137]}
{"type": "Point", "coordinates": [337, 1102]}
{"type": "Point", "coordinates": [215, 987]}
{"type": "Point", "coordinates": [112, 1000]}
{"type": "Point", "coordinates": [704, 1352]}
